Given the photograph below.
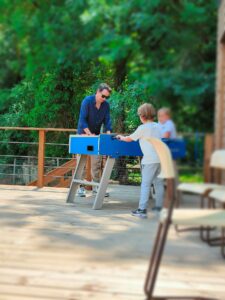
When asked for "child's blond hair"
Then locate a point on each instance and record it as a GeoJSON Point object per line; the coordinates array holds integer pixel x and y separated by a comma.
{"type": "Point", "coordinates": [146, 111]}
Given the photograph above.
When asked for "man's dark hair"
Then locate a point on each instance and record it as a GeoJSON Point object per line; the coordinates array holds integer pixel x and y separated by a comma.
{"type": "Point", "coordinates": [104, 86]}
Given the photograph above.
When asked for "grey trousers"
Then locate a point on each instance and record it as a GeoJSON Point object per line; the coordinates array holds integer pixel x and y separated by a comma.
{"type": "Point", "coordinates": [149, 174]}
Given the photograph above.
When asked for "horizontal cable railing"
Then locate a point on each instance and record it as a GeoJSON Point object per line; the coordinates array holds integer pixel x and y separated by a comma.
{"type": "Point", "coordinates": [39, 169]}
{"type": "Point", "coordinates": [36, 168]}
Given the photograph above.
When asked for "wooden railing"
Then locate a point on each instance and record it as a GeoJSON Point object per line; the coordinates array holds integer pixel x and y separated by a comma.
{"type": "Point", "coordinates": [58, 173]}
{"type": "Point", "coordinates": [208, 150]}
{"type": "Point", "coordinates": [44, 179]}
{"type": "Point", "coordinates": [41, 146]}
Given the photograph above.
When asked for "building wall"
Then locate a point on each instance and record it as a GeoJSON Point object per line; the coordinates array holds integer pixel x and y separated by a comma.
{"type": "Point", "coordinates": [221, 19]}
{"type": "Point", "coordinates": [220, 80]}
{"type": "Point", "coordinates": [219, 137]}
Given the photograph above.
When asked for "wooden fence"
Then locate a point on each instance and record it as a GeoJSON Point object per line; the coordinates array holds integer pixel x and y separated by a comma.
{"type": "Point", "coordinates": [41, 147]}
{"type": "Point", "coordinates": [44, 179]}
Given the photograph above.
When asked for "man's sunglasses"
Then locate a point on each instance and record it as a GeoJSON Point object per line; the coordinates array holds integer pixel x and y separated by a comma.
{"type": "Point", "coordinates": [105, 97]}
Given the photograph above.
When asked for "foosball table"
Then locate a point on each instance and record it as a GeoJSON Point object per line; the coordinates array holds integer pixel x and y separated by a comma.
{"type": "Point", "coordinates": [107, 145]}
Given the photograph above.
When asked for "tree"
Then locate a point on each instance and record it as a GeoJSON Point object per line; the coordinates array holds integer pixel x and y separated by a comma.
{"type": "Point", "coordinates": [55, 52]}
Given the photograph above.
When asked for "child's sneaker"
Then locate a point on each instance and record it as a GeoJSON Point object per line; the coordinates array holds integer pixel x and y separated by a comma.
{"type": "Point", "coordinates": [141, 213]}
{"type": "Point", "coordinates": [156, 209]}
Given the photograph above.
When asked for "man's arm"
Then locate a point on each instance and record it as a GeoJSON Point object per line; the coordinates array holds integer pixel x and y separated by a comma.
{"type": "Point", "coordinates": [107, 122]}
{"type": "Point", "coordinates": [83, 117]}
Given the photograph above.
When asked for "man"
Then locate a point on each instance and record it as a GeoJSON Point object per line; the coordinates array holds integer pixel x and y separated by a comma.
{"type": "Point", "coordinates": [94, 113]}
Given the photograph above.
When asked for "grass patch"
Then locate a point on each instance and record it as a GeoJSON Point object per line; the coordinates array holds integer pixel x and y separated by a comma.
{"type": "Point", "coordinates": [191, 177]}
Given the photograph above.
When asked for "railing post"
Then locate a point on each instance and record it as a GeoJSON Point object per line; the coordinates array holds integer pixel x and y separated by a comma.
{"type": "Point", "coordinates": [41, 158]}
{"type": "Point", "coordinates": [208, 149]}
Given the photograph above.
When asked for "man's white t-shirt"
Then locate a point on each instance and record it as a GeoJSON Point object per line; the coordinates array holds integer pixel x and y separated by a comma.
{"type": "Point", "coordinates": [150, 129]}
{"type": "Point", "coordinates": [168, 126]}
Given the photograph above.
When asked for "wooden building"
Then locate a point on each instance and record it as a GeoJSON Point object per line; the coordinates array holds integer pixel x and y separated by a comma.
{"type": "Point", "coordinates": [220, 82]}
{"type": "Point", "coordinates": [219, 119]}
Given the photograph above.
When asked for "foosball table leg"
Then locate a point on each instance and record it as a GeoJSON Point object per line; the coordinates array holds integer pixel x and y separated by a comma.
{"type": "Point", "coordinates": [76, 176]}
{"type": "Point", "coordinates": [104, 183]}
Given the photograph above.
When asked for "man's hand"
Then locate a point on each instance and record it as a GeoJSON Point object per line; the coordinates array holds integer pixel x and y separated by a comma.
{"type": "Point", "coordinates": [87, 131]}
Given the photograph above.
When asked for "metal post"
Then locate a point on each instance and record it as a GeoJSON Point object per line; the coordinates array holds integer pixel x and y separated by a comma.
{"type": "Point", "coordinates": [14, 171]}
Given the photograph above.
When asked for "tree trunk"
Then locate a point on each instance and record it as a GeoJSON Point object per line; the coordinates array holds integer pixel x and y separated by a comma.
{"type": "Point", "coordinates": [120, 76]}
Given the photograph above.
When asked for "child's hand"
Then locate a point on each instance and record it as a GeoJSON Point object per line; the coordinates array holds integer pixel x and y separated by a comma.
{"type": "Point", "coordinates": [124, 138]}
{"type": "Point", "coordinates": [119, 137]}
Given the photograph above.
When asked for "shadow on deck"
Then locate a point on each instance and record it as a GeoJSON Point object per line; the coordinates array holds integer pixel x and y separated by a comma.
{"type": "Point", "coordinates": [53, 250]}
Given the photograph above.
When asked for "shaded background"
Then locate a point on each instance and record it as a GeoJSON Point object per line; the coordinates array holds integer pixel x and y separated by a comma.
{"type": "Point", "coordinates": [54, 53]}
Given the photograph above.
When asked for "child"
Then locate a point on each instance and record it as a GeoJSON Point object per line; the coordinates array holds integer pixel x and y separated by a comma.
{"type": "Point", "coordinates": [167, 127]}
{"type": "Point", "coordinates": [150, 164]}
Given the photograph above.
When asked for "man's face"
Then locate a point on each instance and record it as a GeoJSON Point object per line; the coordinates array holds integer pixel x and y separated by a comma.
{"type": "Point", "coordinates": [102, 96]}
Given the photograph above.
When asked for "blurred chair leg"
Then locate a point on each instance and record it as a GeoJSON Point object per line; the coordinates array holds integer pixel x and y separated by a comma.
{"type": "Point", "coordinates": [212, 241]}
{"type": "Point", "coordinates": [155, 260]}
{"type": "Point", "coordinates": [154, 265]}
{"type": "Point", "coordinates": [223, 242]}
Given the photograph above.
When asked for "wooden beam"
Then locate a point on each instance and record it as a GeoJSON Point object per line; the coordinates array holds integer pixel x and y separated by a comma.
{"type": "Point", "coordinates": [208, 149]}
{"type": "Point", "coordinates": [41, 158]}
{"type": "Point", "coordinates": [220, 98]}
{"type": "Point", "coordinates": [38, 129]}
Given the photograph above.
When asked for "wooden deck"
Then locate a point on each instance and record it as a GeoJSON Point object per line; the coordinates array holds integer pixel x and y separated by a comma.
{"type": "Point", "coordinates": [53, 250]}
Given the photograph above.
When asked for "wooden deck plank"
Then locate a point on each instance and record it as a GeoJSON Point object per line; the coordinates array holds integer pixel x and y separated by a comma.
{"type": "Point", "coordinates": [50, 249]}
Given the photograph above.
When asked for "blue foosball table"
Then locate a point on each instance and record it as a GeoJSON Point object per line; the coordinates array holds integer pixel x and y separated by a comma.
{"type": "Point", "coordinates": [108, 145]}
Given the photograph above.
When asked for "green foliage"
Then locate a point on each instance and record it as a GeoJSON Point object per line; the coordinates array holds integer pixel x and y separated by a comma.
{"type": "Point", "coordinates": [127, 101]}
{"type": "Point", "coordinates": [191, 177]}
{"type": "Point", "coordinates": [53, 53]}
